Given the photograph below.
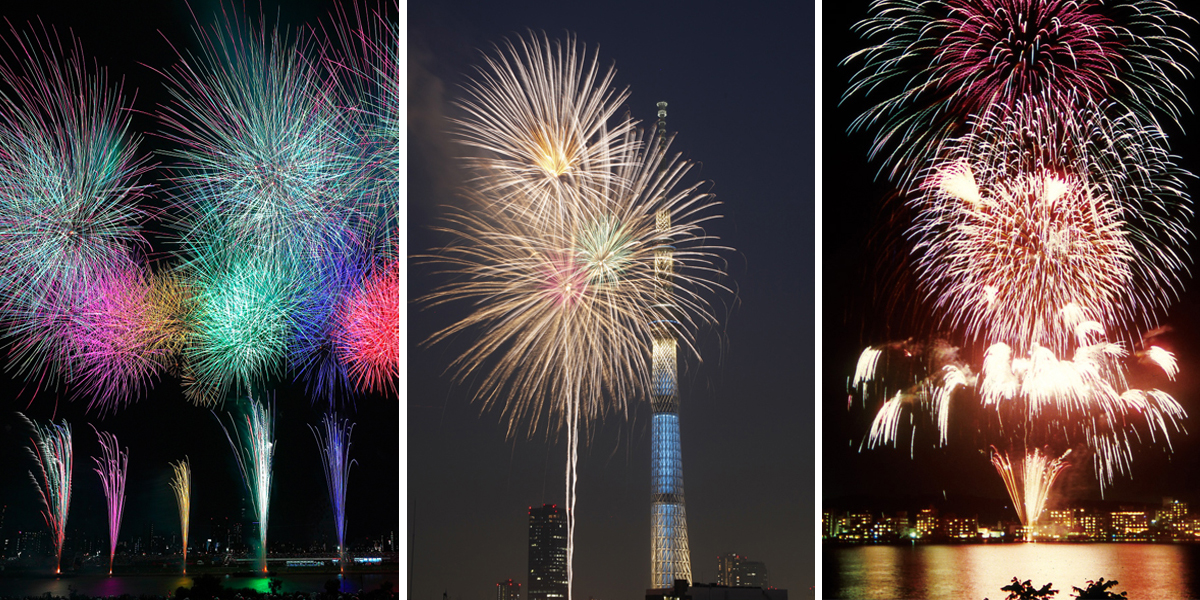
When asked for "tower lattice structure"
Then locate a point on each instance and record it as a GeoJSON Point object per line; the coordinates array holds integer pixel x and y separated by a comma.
{"type": "Point", "coordinates": [669, 555]}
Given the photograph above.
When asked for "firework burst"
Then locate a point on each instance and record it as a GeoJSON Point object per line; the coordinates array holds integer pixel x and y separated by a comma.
{"type": "Point", "coordinates": [111, 466]}
{"type": "Point", "coordinates": [1033, 211]}
{"type": "Point", "coordinates": [540, 114]}
{"type": "Point", "coordinates": [52, 452]}
{"type": "Point", "coordinates": [939, 62]}
{"type": "Point", "coordinates": [367, 338]}
{"type": "Point", "coordinates": [264, 159]}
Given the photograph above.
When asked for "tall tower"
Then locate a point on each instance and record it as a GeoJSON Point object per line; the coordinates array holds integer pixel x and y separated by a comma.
{"type": "Point", "coordinates": [547, 553]}
{"type": "Point", "coordinates": [669, 556]}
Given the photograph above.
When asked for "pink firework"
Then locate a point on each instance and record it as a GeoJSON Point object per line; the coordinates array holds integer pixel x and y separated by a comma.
{"type": "Point", "coordinates": [1003, 50]}
{"type": "Point", "coordinates": [117, 346]}
{"type": "Point", "coordinates": [111, 466]}
{"type": "Point", "coordinates": [369, 337]}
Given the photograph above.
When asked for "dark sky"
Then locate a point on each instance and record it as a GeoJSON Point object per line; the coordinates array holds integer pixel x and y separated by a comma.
{"type": "Point", "coordinates": [869, 298]}
{"type": "Point", "coordinates": [738, 84]}
{"type": "Point", "coordinates": [163, 427]}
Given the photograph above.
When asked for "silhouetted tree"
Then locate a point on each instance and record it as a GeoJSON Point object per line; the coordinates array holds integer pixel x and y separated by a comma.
{"type": "Point", "coordinates": [1098, 590]}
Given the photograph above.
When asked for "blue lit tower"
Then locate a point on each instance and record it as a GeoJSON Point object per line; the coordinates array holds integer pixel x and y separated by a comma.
{"type": "Point", "coordinates": [669, 556]}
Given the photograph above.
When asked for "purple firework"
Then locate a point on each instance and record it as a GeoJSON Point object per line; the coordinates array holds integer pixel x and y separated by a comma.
{"type": "Point", "coordinates": [334, 443]}
{"type": "Point", "coordinates": [111, 466]}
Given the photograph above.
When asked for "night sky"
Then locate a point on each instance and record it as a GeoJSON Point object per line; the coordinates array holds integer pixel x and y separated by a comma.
{"type": "Point", "coordinates": [738, 82]}
{"type": "Point", "coordinates": [869, 298]}
{"type": "Point", "coordinates": [163, 427]}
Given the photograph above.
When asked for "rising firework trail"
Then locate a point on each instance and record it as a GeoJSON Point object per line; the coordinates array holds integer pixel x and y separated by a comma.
{"type": "Point", "coordinates": [334, 443]}
{"type": "Point", "coordinates": [253, 443]}
{"type": "Point", "coordinates": [937, 63]}
{"type": "Point", "coordinates": [181, 484]}
{"type": "Point", "coordinates": [111, 466]}
{"type": "Point", "coordinates": [52, 451]}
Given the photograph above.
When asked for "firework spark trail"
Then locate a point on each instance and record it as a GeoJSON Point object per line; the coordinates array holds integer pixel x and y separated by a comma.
{"type": "Point", "coordinates": [367, 335]}
{"type": "Point", "coordinates": [1042, 397]}
{"type": "Point", "coordinates": [52, 451]}
{"type": "Point", "coordinates": [939, 62]}
{"type": "Point", "coordinates": [119, 346]}
{"type": "Point", "coordinates": [265, 160]}
{"type": "Point", "coordinates": [539, 112]}
{"type": "Point", "coordinates": [254, 450]}
{"type": "Point", "coordinates": [111, 466]}
{"type": "Point", "coordinates": [365, 62]}
{"type": "Point", "coordinates": [1033, 211]}
{"type": "Point", "coordinates": [334, 443]}
{"type": "Point", "coordinates": [314, 353]}
{"type": "Point", "coordinates": [181, 484]}
{"type": "Point", "coordinates": [1029, 484]}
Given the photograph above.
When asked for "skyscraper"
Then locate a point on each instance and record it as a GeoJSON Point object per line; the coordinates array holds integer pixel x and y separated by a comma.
{"type": "Point", "coordinates": [508, 590]}
{"type": "Point", "coordinates": [669, 556]}
{"type": "Point", "coordinates": [547, 552]}
{"type": "Point", "coordinates": [738, 571]}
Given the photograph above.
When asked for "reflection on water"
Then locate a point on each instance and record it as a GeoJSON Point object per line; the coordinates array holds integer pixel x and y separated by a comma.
{"type": "Point", "coordinates": [975, 572]}
{"type": "Point", "coordinates": [165, 585]}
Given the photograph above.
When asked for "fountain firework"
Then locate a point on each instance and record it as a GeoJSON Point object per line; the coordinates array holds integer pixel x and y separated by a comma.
{"type": "Point", "coordinates": [52, 451]}
{"type": "Point", "coordinates": [253, 446]}
{"type": "Point", "coordinates": [181, 484]}
{"type": "Point", "coordinates": [111, 466]}
{"type": "Point", "coordinates": [335, 449]}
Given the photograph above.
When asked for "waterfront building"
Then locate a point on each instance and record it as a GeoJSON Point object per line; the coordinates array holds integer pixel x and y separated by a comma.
{"type": "Point", "coordinates": [927, 522]}
{"type": "Point", "coordinates": [1130, 525]}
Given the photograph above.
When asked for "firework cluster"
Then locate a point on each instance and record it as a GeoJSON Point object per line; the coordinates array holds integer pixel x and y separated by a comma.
{"type": "Point", "coordinates": [281, 194]}
{"type": "Point", "coordinates": [1051, 223]}
{"type": "Point", "coordinates": [579, 242]}
{"type": "Point", "coordinates": [278, 200]}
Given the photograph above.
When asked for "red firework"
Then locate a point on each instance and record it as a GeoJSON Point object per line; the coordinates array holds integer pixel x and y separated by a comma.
{"type": "Point", "coordinates": [368, 341]}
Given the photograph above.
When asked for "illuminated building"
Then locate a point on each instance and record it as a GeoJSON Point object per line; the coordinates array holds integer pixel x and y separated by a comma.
{"type": "Point", "coordinates": [962, 528]}
{"type": "Point", "coordinates": [1129, 525]}
{"type": "Point", "coordinates": [927, 522]}
{"type": "Point", "coordinates": [855, 526]}
{"type": "Point", "coordinates": [508, 590]}
{"type": "Point", "coordinates": [547, 552]}
{"type": "Point", "coordinates": [670, 559]}
{"type": "Point", "coordinates": [738, 571]}
{"type": "Point", "coordinates": [827, 525]}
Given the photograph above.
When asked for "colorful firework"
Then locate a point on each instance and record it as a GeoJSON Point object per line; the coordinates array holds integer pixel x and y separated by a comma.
{"type": "Point", "coordinates": [939, 62]}
{"type": "Point", "coordinates": [265, 160]}
{"type": "Point", "coordinates": [1033, 211]}
{"type": "Point", "coordinates": [576, 297]}
{"type": "Point", "coordinates": [181, 484]}
{"type": "Point", "coordinates": [567, 302]}
{"type": "Point", "coordinates": [118, 347]}
{"type": "Point", "coordinates": [69, 165]}
{"type": "Point", "coordinates": [244, 315]}
{"type": "Point", "coordinates": [540, 113]}
{"type": "Point", "coordinates": [334, 443]}
{"type": "Point", "coordinates": [367, 337]}
{"type": "Point", "coordinates": [254, 449]}
{"type": "Point", "coordinates": [111, 466]}
{"type": "Point", "coordinates": [52, 452]}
